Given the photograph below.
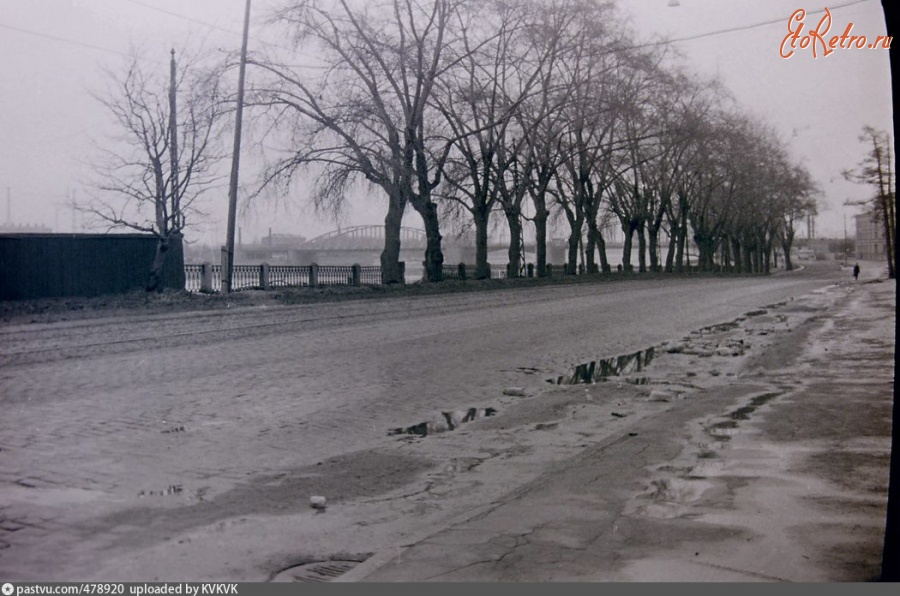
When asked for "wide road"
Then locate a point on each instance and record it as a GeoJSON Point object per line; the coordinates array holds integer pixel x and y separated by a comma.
{"type": "Point", "coordinates": [266, 386]}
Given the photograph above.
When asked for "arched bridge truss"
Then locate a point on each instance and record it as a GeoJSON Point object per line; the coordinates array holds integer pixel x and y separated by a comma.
{"type": "Point", "coordinates": [365, 238]}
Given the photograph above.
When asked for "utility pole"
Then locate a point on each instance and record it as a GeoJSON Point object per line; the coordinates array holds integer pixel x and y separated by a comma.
{"type": "Point", "coordinates": [228, 268]}
{"type": "Point", "coordinates": [845, 240]}
{"type": "Point", "coordinates": [173, 151]}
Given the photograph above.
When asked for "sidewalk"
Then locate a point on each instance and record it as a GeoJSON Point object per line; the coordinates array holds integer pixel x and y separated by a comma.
{"type": "Point", "coordinates": [787, 483]}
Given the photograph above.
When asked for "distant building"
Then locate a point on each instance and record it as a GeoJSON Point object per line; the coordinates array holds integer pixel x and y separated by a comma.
{"type": "Point", "coordinates": [818, 249]}
{"type": "Point", "coordinates": [9, 228]}
{"type": "Point", "coordinates": [870, 242]}
{"type": "Point", "coordinates": [273, 249]}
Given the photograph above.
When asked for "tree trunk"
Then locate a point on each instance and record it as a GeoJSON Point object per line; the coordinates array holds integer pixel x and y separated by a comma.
{"type": "Point", "coordinates": [155, 279]}
{"type": "Point", "coordinates": [700, 241]}
{"type": "Point", "coordinates": [679, 249]}
{"type": "Point", "coordinates": [670, 252]}
{"type": "Point", "coordinates": [786, 247]}
{"type": "Point", "coordinates": [707, 248]}
{"type": "Point", "coordinates": [434, 256]}
{"type": "Point", "coordinates": [514, 223]}
{"type": "Point", "coordinates": [591, 248]}
{"type": "Point", "coordinates": [628, 229]}
{"type": "Point", "coordinates": [481, 217]}
{"type": "Point", "coordinates": [888, 236]}
{"type": "Point", "coordinates": [390, 255]}
{"type": "Point", "coordinates": [682, 233]}
{"type": "Point", "coordinates": [572, 253]}
{"type": "Point", "coordinates": [574, 243]}
{"type": "Point", "coordinates": [642, 248]}
{"type": "Point", "coordinates": [540, 234]}
{"type": "Point", "coordinates": [736, 254]}
{"type": "Point", "coordinates": [653, 244]}
{"type": "Point", "coordinates": [541, 215]}
{"type": "Point", "coordinates": [600, 242]}
{"type": "Point", "coordinates": [595, 244]}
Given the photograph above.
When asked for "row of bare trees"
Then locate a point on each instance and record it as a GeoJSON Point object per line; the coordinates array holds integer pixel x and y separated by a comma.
{"type": "Point", "coordinates": [476, 113]}
{"type": "Point", "coordinates": [465, 110]}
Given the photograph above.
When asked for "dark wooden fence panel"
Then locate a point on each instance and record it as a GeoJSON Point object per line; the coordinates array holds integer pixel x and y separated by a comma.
{"type": "Point", "coordinates": [57, 265]}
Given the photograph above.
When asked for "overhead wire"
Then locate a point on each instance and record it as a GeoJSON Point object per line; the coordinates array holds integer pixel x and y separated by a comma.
{"type": "Point", "coordinates": [62, 39]}
{"type": "Point", "coordinates": [184, 17]}
{"type": "Point", "coordinates": [204, 23]}
{"type": "Point", "coordinates": [779, 20]}
{"type": "Point", "coordinates": [90, 46]}
{"type": "Point", "coordinates": [233, 32]}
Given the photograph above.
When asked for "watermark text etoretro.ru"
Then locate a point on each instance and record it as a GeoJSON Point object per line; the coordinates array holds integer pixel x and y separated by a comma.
{"type": "Point", "coordinates": [818, 41]}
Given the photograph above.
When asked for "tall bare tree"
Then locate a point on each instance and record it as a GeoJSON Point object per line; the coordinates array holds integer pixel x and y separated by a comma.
{"type": "Point", "coordinates": [797, 193]}
{"type": "Point", "coordinates": [364, 109]}
{"type": "Point", "coordinates": [592, 71]}
{"type": "Point", "coordinates": [150, 175]}
{"type": "Point", "coordinates": [877, 171]}
{"type": "Point", "coordinates": [537, 153]}
{"type": "Point", "coordinates": [477, 104]}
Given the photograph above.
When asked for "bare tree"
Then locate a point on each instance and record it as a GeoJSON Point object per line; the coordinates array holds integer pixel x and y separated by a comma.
{"type": "Point", "coordinates": [483, 103]}
{"type": "Point", "coordinates": [639, 179]}
{"type": "Point", "coordinates": [711, 187]}
{"type": "Point", "coordinates": [150, 176]}
{"type": "Point", "coordinates": [592, 72]}
{"type": "Point", "coordinates": [877, 171]}
{"type": "Point", "coordinates": [681, 136]}
{"type": "Point", "coordinates": [365, 109]}
{"type": "Point", "coordinates": [536, 156]}
{"type": "Point", "coordinates": [476, 102]}
{"type": "Point", "coordinates": [798, 193]}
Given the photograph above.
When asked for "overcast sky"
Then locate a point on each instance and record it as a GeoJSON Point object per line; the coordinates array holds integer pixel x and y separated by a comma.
{"type": "Point", "coordinates": [53, 50]}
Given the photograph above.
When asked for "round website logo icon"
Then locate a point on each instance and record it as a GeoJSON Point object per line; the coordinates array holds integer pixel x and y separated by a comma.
{"type": "Point", "coordinates": [7, 589]}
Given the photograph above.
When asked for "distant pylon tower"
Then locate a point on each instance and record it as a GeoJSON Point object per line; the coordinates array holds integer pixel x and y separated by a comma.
{"type": "Point", "coordinates": [811, 226]}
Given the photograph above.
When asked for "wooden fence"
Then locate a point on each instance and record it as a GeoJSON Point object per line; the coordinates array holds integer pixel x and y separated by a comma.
{"type": "Point", "coordinates": [61, 265]}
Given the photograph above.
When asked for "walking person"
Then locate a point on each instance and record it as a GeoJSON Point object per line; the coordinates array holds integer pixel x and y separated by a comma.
{"type": "Point", "coordinates": [856, 272]}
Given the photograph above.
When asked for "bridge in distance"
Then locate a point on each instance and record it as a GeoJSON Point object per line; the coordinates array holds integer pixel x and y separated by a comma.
{"type": "Point", "coordinates": [363, 245]}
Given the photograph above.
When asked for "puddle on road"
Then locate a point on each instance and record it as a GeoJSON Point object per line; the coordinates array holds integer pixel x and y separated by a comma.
{"type": "Point", "coordinates": [720, 328]}
{"type": "Point", "coordinates": [174, 489]}
{"type": "Point", "coordinates": [601, 370]}
{"type": "Point", "coordinates": [723, 431]}
{"type": "Point", "coordinates": [743, 413]}
{"type": "Point", "coordinates": [446, 422]}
